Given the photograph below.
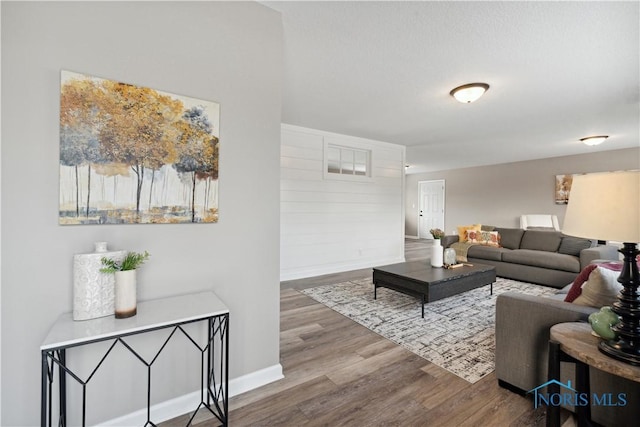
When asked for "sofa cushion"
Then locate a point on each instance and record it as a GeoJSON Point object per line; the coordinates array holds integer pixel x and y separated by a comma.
{"type": "Point", "coordinates": [548, 241]}
{"type": "Point", "coordinates": [573, 245]}
{"type": "Point", "coordinates": [543, 259]}
{"type": "Point", "coordinates": [601, 289]}
{"type": "Point", "coordinates": [510, 237]}
{"type": "Point", "coordinates": [486, 252]}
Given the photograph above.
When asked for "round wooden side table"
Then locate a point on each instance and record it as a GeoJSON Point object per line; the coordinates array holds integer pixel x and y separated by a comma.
{"type": "Point", "coordinates": [573, 342]}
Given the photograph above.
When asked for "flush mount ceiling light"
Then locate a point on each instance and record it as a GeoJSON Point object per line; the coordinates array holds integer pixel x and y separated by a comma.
{"type": "Point", "coordinates": [594, 140]}
{"type": "Point", "coordinates": [469, 92]}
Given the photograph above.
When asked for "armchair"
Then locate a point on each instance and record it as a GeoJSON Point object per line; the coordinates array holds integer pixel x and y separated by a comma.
{"type": "Point", "coordinates": [539, 220]}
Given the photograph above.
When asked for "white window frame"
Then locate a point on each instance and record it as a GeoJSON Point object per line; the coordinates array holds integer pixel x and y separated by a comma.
{"type": "Point", "coordinates": [347, 146]}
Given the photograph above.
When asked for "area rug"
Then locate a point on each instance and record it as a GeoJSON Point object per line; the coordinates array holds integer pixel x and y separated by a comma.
{"type": "Point", "coordinates": [457, 333]}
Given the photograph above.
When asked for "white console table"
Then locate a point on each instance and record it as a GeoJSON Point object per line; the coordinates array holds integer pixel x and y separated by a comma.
{"type": "Point", "coordinates": [153, 315]}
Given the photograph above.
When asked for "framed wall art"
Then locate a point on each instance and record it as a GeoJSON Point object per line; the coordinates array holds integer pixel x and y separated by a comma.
{"type": "Point", "coordinates": [563, 187]}
{"type": "Point", "coordinates": [133, 155]}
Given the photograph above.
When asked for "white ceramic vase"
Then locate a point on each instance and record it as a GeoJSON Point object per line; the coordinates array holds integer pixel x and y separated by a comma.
{"type": "Point", "coordinates": [92, 289]}
{"type": "Point", "coordinates": [436, 253]}
{"type": "Point", "coordinates": [125, 294]}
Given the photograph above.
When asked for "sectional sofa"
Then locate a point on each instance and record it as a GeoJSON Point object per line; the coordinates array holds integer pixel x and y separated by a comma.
{"type": "Point", "coordinates": [549, 258]}
{"type": "Point", "coordinates": [545, 257]}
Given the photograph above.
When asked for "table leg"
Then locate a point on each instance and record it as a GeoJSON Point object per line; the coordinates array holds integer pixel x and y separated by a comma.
{"type": "Point", "coordinates": [62, 354]}
{"type": "Point", "coordinates": [209, 358]}
{"type": "Point", "coordinates": [226, 372]}
{"type": "Point", "coordinates": [583, 387]}
{"type": "Point", "coordinates": [375, 291]}
{"type": "Point", "coordinates": [43, 391]}
{"type": "Point", "coordinates": [553, 411]}
{"type": "Point", "coordinates": [423, 306]}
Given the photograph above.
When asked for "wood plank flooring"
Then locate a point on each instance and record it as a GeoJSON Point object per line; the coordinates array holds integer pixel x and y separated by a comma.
{"type": "Point", "coordinates": [339, 373]}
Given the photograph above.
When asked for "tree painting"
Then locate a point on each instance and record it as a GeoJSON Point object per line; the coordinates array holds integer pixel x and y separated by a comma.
{"type": "Point", "coordinates": [131, 154]}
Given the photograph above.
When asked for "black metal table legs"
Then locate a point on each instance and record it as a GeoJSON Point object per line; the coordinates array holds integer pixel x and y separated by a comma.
{"type": "Point", "coordinates": [214, 357]}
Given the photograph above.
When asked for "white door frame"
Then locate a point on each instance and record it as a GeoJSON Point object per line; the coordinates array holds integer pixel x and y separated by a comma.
{"type": "Point", "coordinates": [420, 201]}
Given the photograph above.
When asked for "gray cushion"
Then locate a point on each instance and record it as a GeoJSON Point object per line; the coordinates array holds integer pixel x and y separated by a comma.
{"type": "Point", "coordinates": [510, 237]}
{"type": "Point", "coordinates": [486, 252]}
{"type": "Point", "coordinates": [552, 260]}
{"type": "Point", "coordinates": [573, 245]}
{"type": "Point", "coordinates": [541, 240]}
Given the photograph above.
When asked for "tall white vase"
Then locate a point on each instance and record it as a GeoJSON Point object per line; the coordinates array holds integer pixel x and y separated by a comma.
{"type": "Point", "coordinates": [92, 289]}
{"type": "Point", "coordinates": [125, 294]}
{"type": "Point", "coordinates": [436, 253]}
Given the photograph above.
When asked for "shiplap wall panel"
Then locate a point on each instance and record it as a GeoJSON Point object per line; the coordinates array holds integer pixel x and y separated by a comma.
{"type": "Point", "coordinates": [332, 225]}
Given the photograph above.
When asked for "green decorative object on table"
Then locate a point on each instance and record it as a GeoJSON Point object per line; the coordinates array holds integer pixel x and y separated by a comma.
{"type": "Point", "coordinates": [125, 290]}
{"type": "Point", "coordinates": [602, 322]}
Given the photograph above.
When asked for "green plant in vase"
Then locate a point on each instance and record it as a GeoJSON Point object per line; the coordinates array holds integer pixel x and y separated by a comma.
{"type": "Point", "coordinates": [125, 300]}
{"type": "Point", "coordinates": [437, 233]}
{"type": "Point", "coordinates": [132, 261]}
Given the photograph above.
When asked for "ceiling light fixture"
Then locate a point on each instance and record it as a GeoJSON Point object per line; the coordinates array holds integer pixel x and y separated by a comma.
{"type": "Point", "coordinates": [469, 92]}
{"type": "Point", "coordinates": [594, 140]}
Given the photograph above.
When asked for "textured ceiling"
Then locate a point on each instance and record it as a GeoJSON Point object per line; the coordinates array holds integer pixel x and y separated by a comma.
{"type": "Point", "coordinates": [558, 71]}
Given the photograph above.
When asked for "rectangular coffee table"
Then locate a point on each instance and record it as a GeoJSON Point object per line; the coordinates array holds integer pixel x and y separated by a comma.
{"type": "Point", "coordinates": [418, 278]}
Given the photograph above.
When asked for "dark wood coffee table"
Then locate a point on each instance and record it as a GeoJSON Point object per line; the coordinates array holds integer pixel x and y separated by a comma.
{"type": "Point", "coordinates": [418, 278]}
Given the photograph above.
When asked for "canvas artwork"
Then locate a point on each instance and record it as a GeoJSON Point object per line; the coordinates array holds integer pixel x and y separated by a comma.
{"type": "Point", "coordinates": [131, 154]}
{"type": "Point", "coordinates": [563, 188]}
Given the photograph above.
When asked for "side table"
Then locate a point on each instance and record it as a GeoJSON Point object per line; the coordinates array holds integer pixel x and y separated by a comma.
{"type": "Point", "coordinates": [165, 313]}
{"type": "Point", "coordinates": [573, 342]}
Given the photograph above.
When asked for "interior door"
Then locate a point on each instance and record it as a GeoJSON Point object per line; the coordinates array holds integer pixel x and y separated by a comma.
{"type": "Point", "coordinates": [431, 197]}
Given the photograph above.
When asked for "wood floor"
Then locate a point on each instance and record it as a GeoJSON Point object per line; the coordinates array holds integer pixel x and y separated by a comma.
{"type": "Point", "coordinates": [338, 373]}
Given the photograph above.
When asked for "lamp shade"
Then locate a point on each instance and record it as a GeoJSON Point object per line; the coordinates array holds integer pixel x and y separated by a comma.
{"type": "Point", "coordinates": [604, 206]}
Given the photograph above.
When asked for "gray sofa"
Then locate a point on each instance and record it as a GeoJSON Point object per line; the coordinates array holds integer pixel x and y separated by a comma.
{"type": "Point", "coordinates": [537, 256]}
{"type": "Point", "coordinates": [522, 337]}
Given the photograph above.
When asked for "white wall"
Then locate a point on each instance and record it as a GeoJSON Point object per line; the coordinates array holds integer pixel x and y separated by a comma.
{"type": "Point", "coordinates": [227, 52]}
{"type": "Point", "coordinates": [330, 225]}
{"type": "Point", "coordinates": [499, 194]}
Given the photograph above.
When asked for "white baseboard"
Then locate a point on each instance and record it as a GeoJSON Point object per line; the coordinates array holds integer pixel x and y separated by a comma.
{"type": "Point", "coordinates": [335, 268]}
{"type": "Point", "coordinates": [187, 403]}
{"type": "Point", "coordinates": [411, 237]}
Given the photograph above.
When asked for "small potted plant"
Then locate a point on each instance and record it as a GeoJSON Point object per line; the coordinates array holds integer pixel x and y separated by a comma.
{"type": "Point", "coordinates": [125, 301]}
{"type": "Point", "coordinates": [436, 250]}
{"type": "Point", "coordinates": [437, 233]}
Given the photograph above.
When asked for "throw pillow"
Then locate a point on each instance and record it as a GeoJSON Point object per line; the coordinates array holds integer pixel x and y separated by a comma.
{"type": "Point", "coordinates": [462, 229]}
{"type": "Point", "coordinates": [473, 236]}
{"type": "Point", "coordinates": [491, 238]}
{"type": "Point", "coordinates": [601, 289]}
{"type": "Point", "coordinates": [576, 288]}
{"type": "Point", "coordinates": [573, 245]}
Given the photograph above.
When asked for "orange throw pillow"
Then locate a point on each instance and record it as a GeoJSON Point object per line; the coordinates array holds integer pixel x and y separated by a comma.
{"type": "Point", "coordinates": [462, 231]}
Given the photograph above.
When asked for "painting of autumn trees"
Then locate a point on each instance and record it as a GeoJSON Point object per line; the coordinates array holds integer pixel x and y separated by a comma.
{"type": "Point", "coordinates": [131, 154]}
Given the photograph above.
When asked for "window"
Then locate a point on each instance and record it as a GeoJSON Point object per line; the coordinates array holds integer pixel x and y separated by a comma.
{"type": "Point", "coordinates": [347, 161]}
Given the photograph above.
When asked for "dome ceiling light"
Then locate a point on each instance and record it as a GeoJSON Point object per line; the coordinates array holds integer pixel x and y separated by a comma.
{"type": "Point", "coordinates": [594, 140]}
{"type": "Point", "coordinates": [469, 92]}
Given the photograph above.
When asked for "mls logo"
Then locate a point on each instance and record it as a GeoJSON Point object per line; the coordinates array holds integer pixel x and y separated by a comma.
{"type": "Point", "coordinates": [568, 396]}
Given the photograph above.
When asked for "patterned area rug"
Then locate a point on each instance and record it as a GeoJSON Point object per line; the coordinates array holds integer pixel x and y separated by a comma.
{"type": "Point", "coordinates": [457, 333]}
